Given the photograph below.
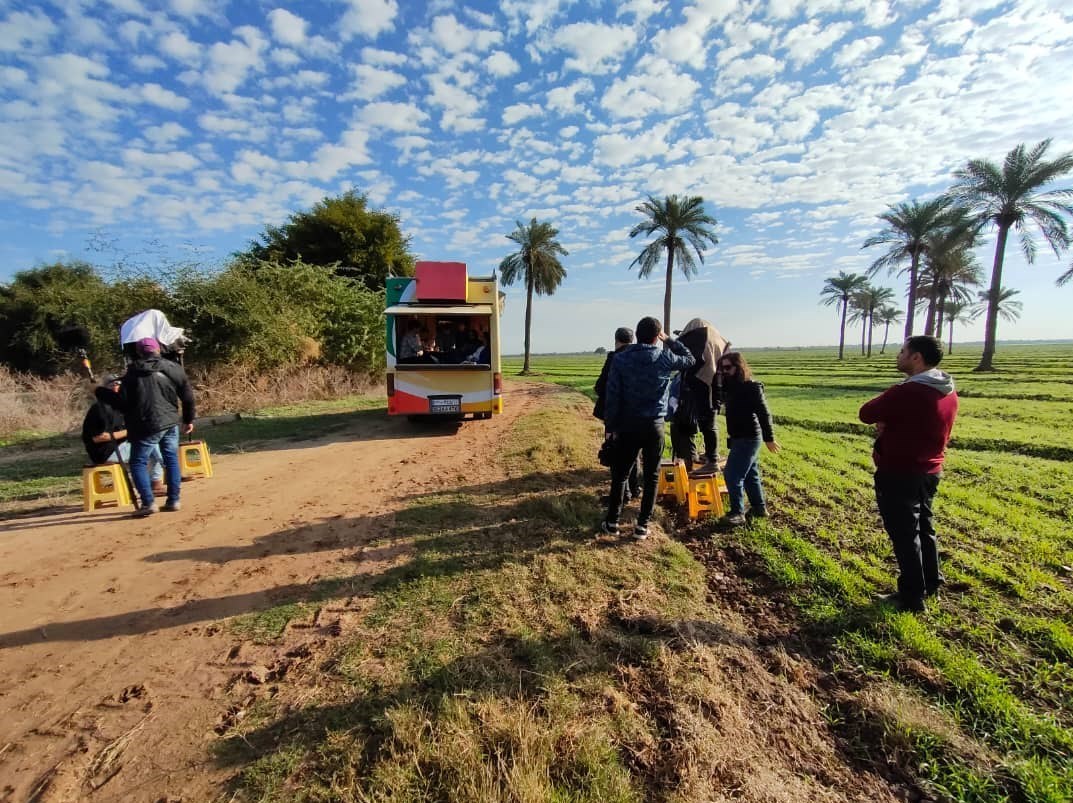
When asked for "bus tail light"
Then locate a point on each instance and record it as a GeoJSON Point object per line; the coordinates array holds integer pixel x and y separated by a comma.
{"type": "Point", "coordinates": [497, 383]}
{"type": "Point", "coordinates": [390, 385]}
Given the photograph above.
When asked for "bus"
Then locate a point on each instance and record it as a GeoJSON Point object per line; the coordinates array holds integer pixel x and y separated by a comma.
{"type": "Point", "coordinates": [443, 347]}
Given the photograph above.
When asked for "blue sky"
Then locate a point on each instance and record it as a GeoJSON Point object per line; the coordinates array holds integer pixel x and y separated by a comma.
{"type": "Point", "coordinates": [176, 130]}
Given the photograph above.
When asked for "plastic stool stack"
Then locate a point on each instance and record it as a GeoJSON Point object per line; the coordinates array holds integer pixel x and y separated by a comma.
{"type": "Point", "coordinates": [194, 460]}
{"type": "Point", "coordinates": [104, 485]}
{"type": "Point", "coordinates": [673, 481]}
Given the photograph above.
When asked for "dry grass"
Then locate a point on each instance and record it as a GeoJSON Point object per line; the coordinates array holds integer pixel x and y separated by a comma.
{"type": "Point", "coordinates": [31, 406]}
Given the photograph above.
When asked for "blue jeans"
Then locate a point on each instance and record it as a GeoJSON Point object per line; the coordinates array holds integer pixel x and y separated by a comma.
{"type": "Point", "coordinates": [168, 442]}
{"type": "Point", "coordinates": [156, 462]}
{"type": "Point", "coordinates": [742, 473]}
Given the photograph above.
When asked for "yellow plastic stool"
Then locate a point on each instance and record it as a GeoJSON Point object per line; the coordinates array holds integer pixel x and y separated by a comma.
{"type": "Point", "coordinates": [673, 481]}
{"type": "Point", "coordinates": [97, 493]}
{"type": "Point", "coordinates": [194, 460]}
{"type": "Point", "coordinates": [705, 497]}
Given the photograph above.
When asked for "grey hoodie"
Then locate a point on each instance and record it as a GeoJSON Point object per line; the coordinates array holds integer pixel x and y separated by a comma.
{"type": "Point", "coordinates": [934, 378]}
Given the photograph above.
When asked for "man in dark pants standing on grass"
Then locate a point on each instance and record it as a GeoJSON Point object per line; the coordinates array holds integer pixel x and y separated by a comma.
{"type": "Point", "coordinates": [913, 421]}
{"type": "Point", "coordinates": [633, 414]}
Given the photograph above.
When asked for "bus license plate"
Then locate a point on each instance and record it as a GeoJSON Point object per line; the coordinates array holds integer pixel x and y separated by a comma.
{"type": "Point", "coordinates": [451, 404]}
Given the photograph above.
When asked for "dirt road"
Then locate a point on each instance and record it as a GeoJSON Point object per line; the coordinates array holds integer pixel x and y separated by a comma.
{"type": "Point", "coordinates": [114, 665]}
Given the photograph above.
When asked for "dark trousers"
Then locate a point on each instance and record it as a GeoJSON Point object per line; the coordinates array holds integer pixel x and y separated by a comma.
{"type": "Point", "coordinates": [706, 425]}
{"type": "Point", "coordinates": [649, 443]}
{"type": "Point", "coordinates": [905, 503]}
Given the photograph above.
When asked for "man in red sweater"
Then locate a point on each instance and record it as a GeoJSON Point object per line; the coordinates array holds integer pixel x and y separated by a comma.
{"type": "Point", "coordinates": [913, 421]}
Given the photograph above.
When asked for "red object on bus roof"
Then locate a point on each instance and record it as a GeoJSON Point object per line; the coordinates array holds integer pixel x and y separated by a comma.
{"type": "Point", "coordinates": [440, 281]}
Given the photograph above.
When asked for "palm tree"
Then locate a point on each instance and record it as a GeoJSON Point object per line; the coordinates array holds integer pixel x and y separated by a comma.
{"type": "Point", "coordinates": [950, 276]}
{"type": "Point", "coordinates": [838, 290]}
{"type": "Point", "coordinates": [867, 300]}
{"type": "Point", "coordinates": [680, 222]}
{"type": "Point", "coordinates": [1006, 308]}
{"type": "Point", "coordinates": [1065, 277]}
{"type": "Point", "coordinates": [886, 316]}
{"type": "Point", "coordinates": [1013, 196]}
{"type": "Point", "coordinates": [537, 263]}
{"type": "Point", "coordinates": [909, 226]}
{"type": "Point", "coordinates": [958, 311]}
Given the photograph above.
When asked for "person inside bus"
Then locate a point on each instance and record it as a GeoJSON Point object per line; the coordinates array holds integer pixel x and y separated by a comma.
{"type": "Point", "coordinates": [411, 349]}
{"type": "Point", "coordinates": [479, 353]}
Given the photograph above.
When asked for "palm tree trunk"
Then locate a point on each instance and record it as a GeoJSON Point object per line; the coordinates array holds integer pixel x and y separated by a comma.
{"type": "Point", "coordinates": [864, 329]}
{"type": "Point", "coordinates": [871, 325]}
{"type": "Point", "coordinates": [939, 316]}
{"type": "Point", "coordinates": [528, 315]}
{"type": "Point", "coordinates": [842, 330]}
{"type": "Point", "coordinates": [667, 293]}
{"type": "Point", "coordinates": [886, 331]}
{"type": "Point", "coordinates": [950, 339]}
{"type": "Point", "coordinates": [929, 322]}
{"type": "Point", "coordinates": [991, 327]}
{"type": "Point", "coordinates": [912, 302]}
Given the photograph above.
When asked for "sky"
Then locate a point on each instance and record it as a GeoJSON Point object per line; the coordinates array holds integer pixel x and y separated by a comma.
{"type": "Point", "coordinates": [174, 131]}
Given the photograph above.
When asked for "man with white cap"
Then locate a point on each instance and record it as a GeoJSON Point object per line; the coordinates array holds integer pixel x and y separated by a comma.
{"type": "Point", "coordinates": [152, 393]}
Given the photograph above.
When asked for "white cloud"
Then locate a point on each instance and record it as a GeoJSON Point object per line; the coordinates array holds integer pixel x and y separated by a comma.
{"type": "Point", "coordinates": [160, 163]}
{"type": "Point", "coordinates": [287, 28]}
{"type": "Point", "coordinates": [454, 37]}
{"type": "Point", "coordinates": [596, 48]}
{"type": "Point", "coordinates": [500, 64]}
{"type": "Point", "coordinates": [760, 66]}
{"type": "Point", "coordinates": [164, 98]}
{"type": "Point", "coordinates": [230, 64]}
{"type": "Point", "coordinates": [393, 116]}
{"type": "Point", "coordinates": [856, 50]}
{"type": "Point", "coordinates": [24, 31]}
{"type": "Point", "coordinates": [164, 135]}
{"type": "Point", "coordinates": [564, 98]}
{"type": "Point", "coordinates": [808, 40]}
{"type": "Point", "coordinates": [619, 150]}
{"type": "Point", "coordinates": [656, 86]}
{"type": "Point", "coordinates": [176, 45]}
{"type": "Point", "coordinates": [383, 58]}
{"type": "Point", "coordinates": [371, 82]}
{"type": "Point", "coordinates": [368, 18]}
{"type": "Point", "coordinates": [519, 111]}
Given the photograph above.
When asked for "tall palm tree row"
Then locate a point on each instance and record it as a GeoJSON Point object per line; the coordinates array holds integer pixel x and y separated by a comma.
{"type": "Point", "coordinates": [867, 300]}
{"type": "Point", "coordinates": [537, 264]}
{"type": "Point", "coordinates": [1015, 195]}
{"type": "Point", "coordinates": [682, 228]}
{"type": "Point", "coordinates": [957, 311]}
{"type": "Point", "coordinates": [908, 234]}
{"type": "Point", "coordinates": [837, 291]}
{"type": "Point", "coordinates": [949, 275]}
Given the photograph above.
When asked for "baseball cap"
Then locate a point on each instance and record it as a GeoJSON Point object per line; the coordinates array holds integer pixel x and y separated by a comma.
{"type": "Point", "coordinates": [148, 345]}
{"type": "Point", "coordinates": [624, 335]}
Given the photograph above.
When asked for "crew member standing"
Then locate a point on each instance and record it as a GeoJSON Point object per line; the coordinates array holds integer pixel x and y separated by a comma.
{"type": "Point", "coordinates": [913, 421]}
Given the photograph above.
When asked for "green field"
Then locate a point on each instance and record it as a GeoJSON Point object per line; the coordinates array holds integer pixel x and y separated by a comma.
{"type": "Point", "coordinates": [993, 661]}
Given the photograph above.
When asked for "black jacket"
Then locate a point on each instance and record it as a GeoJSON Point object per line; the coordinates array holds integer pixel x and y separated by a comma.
{"type": "Point", "coordinates": [105, 415]}
{"type": "Point", "coordinates": [747, 412]}
{"type": "Point", "coordinates": [601, 386]}
{"type": "Point", "coordinates": [152, 390]}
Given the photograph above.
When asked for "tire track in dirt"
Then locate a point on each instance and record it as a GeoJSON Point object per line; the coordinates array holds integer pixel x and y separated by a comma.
{"type": "Point", "coordinates": [114, 666]}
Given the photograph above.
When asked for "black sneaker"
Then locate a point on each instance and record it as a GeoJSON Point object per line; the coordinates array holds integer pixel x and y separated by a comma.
{"type": "Point", "coordinates": [608, 528]}
{"type": "Point", "coordinates": [757, 513]}
{"type": "Point", "coordinates": [640, 532]}
{"type": "Point", "coordinates": [906, 606]}
{"type": "Point", "coordinates": [735, 519]}
{"type": "Point", "coordinates": [172, 507]}
{"type": "Point", "coordinates": [145, 510]}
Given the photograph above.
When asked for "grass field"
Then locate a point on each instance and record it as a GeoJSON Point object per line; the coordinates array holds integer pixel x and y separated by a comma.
{"type": "Point", "coordinates": [994, 659]}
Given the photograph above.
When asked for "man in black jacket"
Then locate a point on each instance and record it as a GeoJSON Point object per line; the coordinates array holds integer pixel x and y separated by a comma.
{"type": "Point", "coordinates": [151, 394]}
{"type": "Point", "coordinates": [623, 338]}
{"type": "Point", "coordinates": [104, 431]}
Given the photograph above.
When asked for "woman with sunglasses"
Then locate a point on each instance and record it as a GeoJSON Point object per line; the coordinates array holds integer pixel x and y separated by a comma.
{"type": "Point", "coordinates": [748, 425]}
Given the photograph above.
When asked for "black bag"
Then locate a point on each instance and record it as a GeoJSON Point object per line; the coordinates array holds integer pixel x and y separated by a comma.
{"type": "Point", "coordinates": [606, 455]}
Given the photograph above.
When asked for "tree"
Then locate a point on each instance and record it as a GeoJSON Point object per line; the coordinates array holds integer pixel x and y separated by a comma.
{"type": "Point", "coordinates": [838, 290]}
{"type": "Point", "coordinates": [958, 311]}
{"type": "Point", "coordinates": [865, 302]}
{"type": "Point", "coordinates": [950, 275]}
{"type": "Point", "coordinates": [887, 315]}
{"type": "Point", "coordinates": [909, 225]}
{"type": "Point", "coordinates": [537, 264]}
{"type": "Point", "coordinates": [681, 223]}
{"type": "Point", "coordinates": [1013, 196]}
{"type": "Point", "coordinates": [1005, 307]}
{"type": "Point", "coordinates": [341, 233]}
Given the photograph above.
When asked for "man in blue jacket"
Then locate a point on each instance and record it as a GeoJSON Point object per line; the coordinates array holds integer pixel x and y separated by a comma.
{"type": "Point", "coordinates": [633, 414]}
